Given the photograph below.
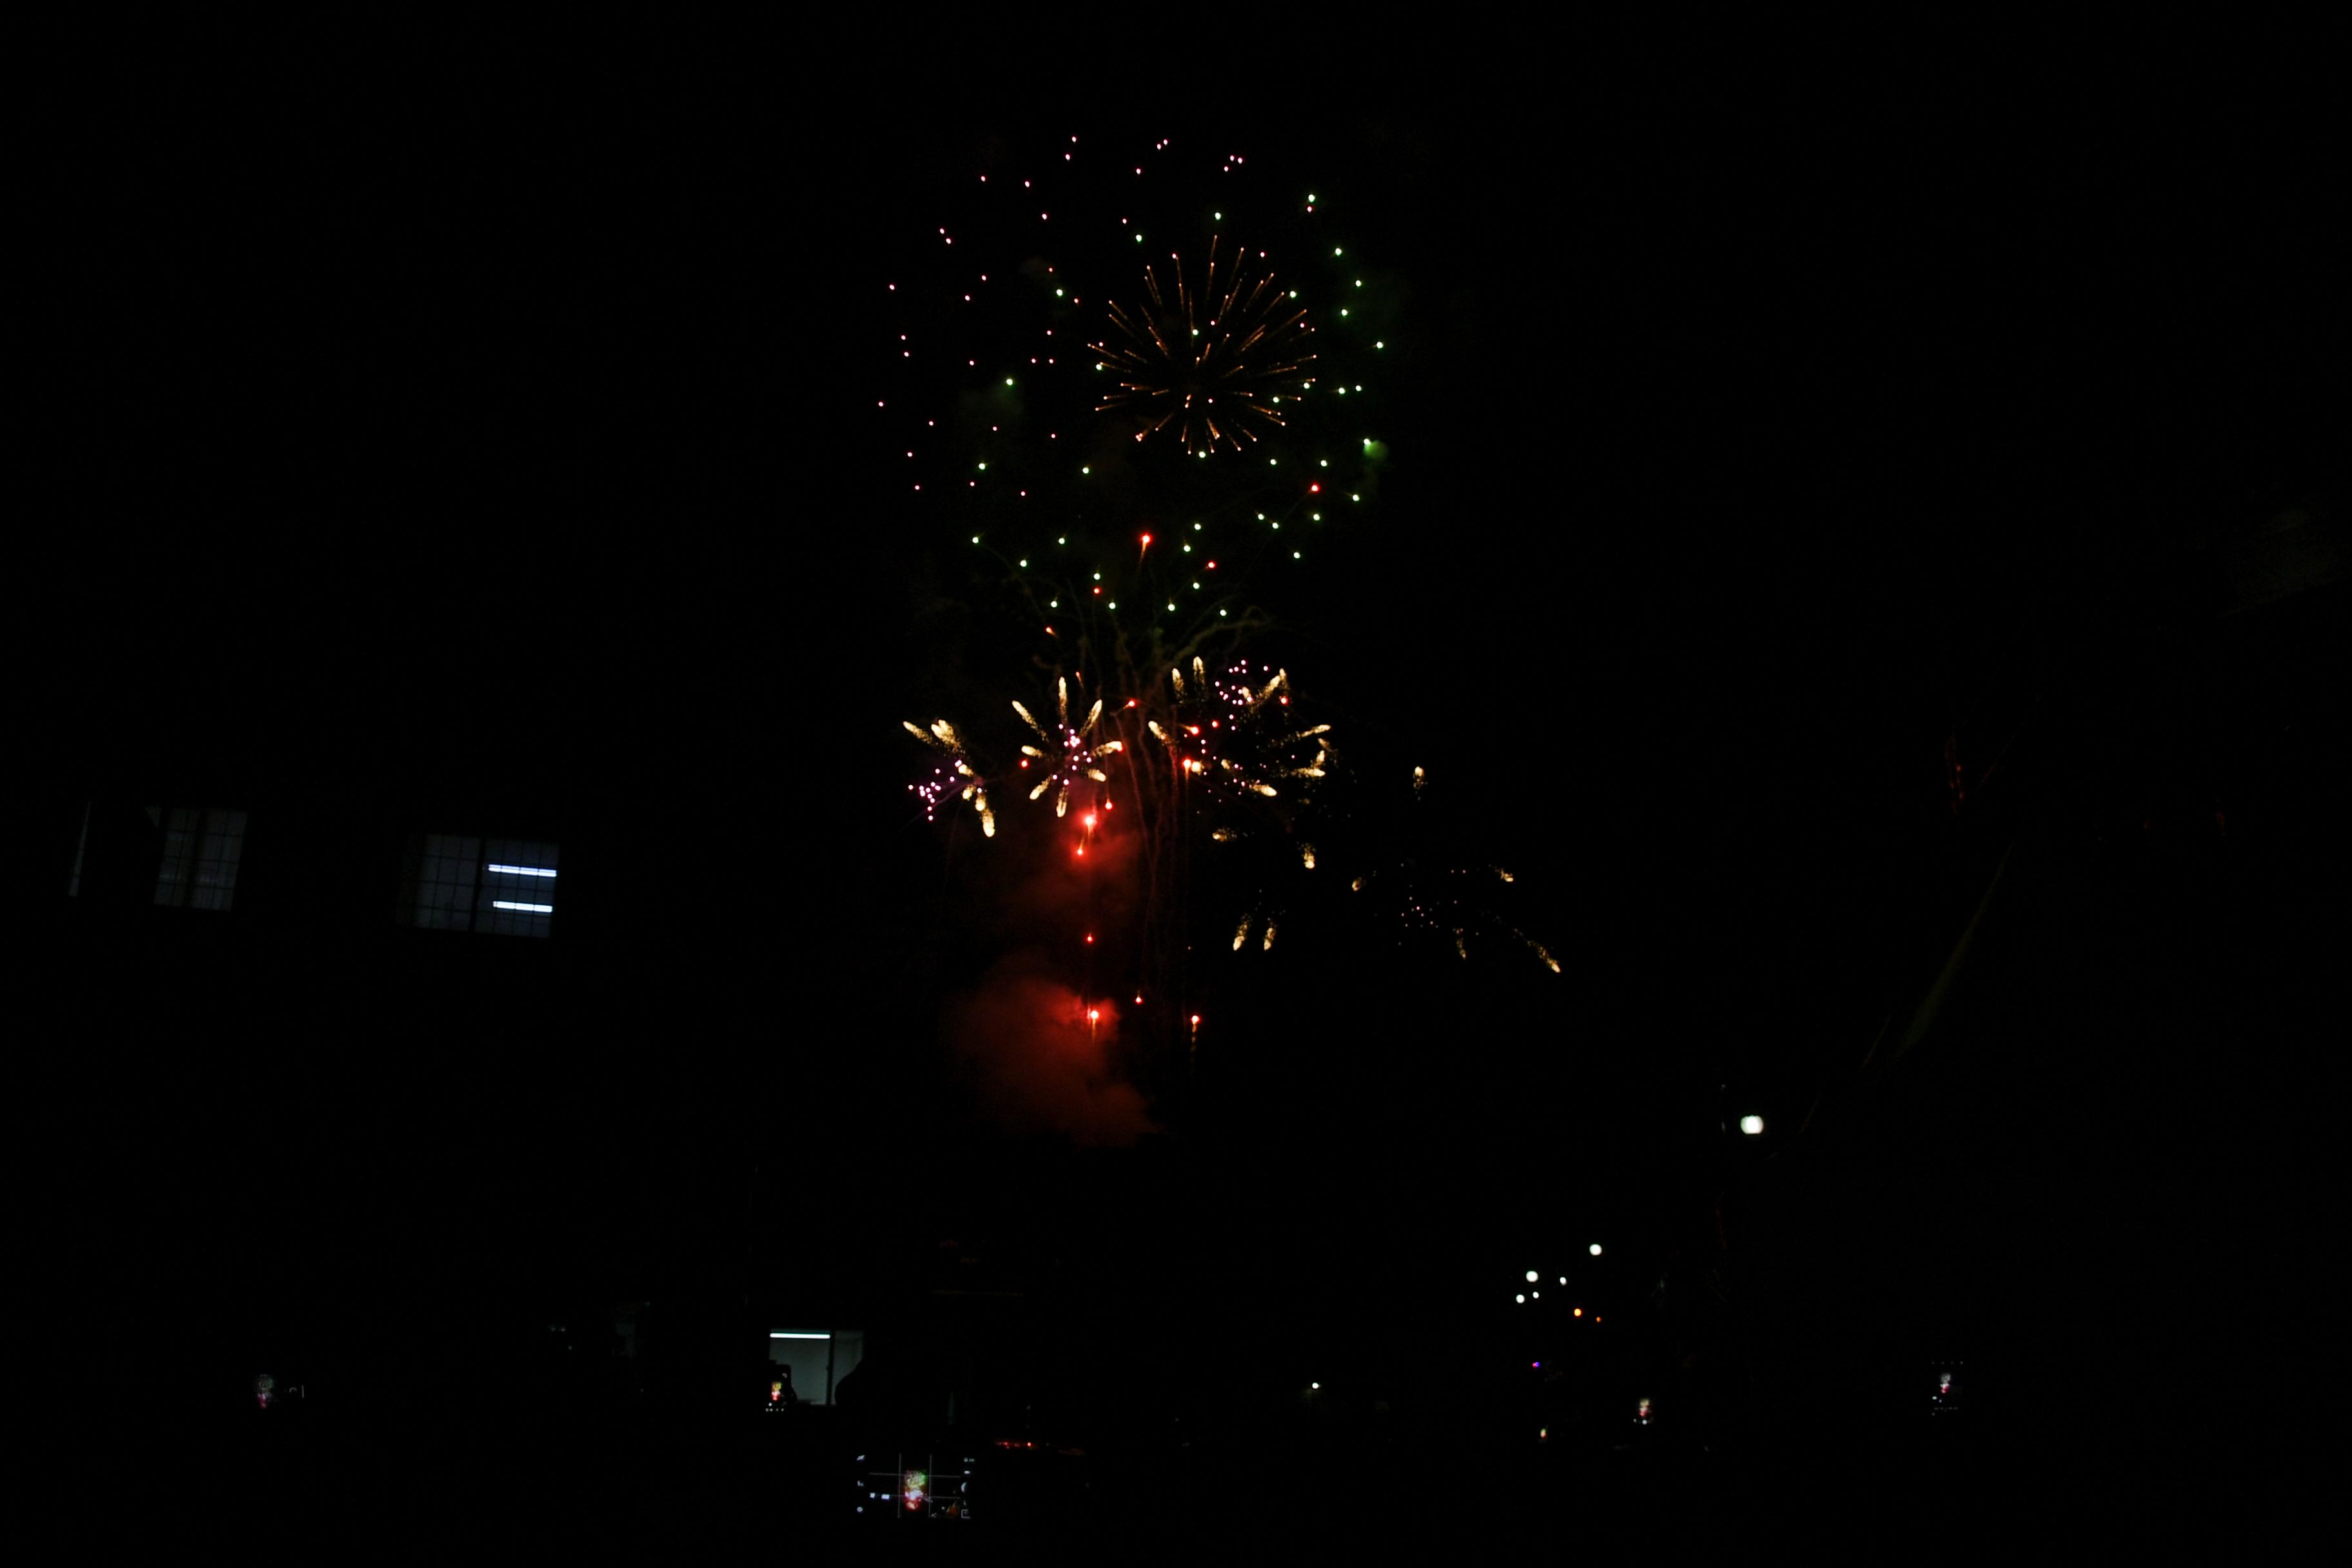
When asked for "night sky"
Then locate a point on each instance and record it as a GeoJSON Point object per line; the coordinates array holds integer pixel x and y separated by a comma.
{"type": "Point", "coordinates": [432, 439]}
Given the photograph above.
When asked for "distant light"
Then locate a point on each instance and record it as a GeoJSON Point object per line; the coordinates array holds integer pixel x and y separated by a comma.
{"type": "Point", "coordinates": [523, 870]}
{"type": "Point", "coordinates": [1531, 1276]}
{"type": "Point", "coordinates": [1751, 1125]}
{"type": "Point", "coordinates": [1579, 1312]}
{"type": "Point", "coordinates": [1520, 1298]}
{"type": "Point", "coordinates": [526, 908]}
{"type": "Point", "coordinates": [1314, 1385]}
{"type": "Point", "coordinates": [794, 1334]}
{"type": "Point", "coordinates": [1595, 1250]}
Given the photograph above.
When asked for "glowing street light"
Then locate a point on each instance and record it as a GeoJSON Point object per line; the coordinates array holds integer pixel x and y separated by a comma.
{"type": "Point", "coordinates": [1751, 1125]}
{"type": "Point", "coordinates": [1595, 1250]}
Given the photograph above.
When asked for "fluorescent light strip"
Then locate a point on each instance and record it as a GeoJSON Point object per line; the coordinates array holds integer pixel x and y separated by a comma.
{"type": "Point", "coordinates": [773, 1335]}
{"type": "Point", "coordinates": [523, 870]}
{"type": "Point", "coordinates": [526, 908]}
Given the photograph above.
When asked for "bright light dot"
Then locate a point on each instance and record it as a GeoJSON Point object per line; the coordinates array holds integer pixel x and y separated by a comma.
{"type": "Point", "coordinates": [1521, 1300]}
{"type": "Point", "coordinates": [1531, 1276]}
{"type": "Point", "coordinates": [1595, 1250]}
{"type": "Point", "coordinates": [1751, 1125]}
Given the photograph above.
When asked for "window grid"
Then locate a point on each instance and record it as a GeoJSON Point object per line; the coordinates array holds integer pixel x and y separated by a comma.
{"type": "Point", "coordinates": [201, 847]}
{"type": "Point", "coordinates": [499, 887]}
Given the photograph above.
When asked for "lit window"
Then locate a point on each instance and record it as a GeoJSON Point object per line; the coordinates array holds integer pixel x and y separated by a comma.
{"type": "Point", "coordinates": [497, 887]}
{"type": "Point", "coordinates": [202, 845]}
{"type": "Point", "coordinates": [182, 857]}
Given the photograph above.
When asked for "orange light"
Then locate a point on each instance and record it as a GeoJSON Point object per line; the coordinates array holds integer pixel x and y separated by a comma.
{"type": "Point", "coordinates": [1090, 819]}
{"type": "Point", "coordinates": [1147, 539]}
{"type": "Point", "coordinates": [1196, 1020]}
{"type": "Point", "coordinates": [1138, 998]}
{"type": "Point", "coordinates": [1315, 489]}
{"type": "Point", "coordinates": [1580, 1312]}
{"type": "Point", "coordinates": [1092, 1015]}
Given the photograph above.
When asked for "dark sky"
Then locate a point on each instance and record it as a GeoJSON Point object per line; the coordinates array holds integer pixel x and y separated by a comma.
{"type": "Point", "coordinates": [1764, 428]}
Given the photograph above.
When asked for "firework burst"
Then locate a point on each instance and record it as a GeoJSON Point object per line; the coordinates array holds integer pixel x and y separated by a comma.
{"type": "Point", "coordinates": [952, 778]}
{"type": "Point", "coordinates": [1228, 736]}
{"type": "Point", "coordinates": [1070, 754]}
{"type": "Point", "coordinates": [1214, 361]}
{"type": "Point", "coordinates": [1441, 897]}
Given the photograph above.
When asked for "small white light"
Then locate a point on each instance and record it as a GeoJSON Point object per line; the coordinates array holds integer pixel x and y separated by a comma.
{"type": "Point", "coordinates": [1531, 1276]}
{"type": "Point", "coordinates": [776, 1334]}
{"type": "Point", "coordinates": [522, 871]}
{"type": "Point", "coordinates": [526, 908]}
{"type": "Point", "coordinates": [1314, 1385]}
{"type": "Point", "coordinates": [1751, 1125]}
{"type": "Point", "coordinates": [1520, 1298]}
{"type": "Point", "coordinates": [1595, 1250]}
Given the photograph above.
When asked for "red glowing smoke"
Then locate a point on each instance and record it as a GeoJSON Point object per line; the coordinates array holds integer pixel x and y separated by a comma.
{"type": "Point", "coordinates": [1036, 1062]}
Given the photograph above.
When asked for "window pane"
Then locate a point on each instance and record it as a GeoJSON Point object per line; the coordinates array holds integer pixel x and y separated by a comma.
{"type": "Point", "coordinates": [441, 878]}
